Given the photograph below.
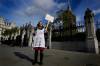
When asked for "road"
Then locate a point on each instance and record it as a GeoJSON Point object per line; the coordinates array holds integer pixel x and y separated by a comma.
{"type": "Point", "coordinates": [16, 56]}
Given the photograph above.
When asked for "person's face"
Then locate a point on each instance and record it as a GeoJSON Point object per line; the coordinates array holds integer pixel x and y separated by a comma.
{"type": "Point", "coordinates": [40, 24]}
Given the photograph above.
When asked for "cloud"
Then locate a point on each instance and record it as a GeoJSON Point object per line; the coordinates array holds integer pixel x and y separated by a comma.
{"type": "Point", "coordinates": [45, 4]}
{"type": "Point", "coordinates": [61, 6]}
{"type": "Point", "coordinates": [96, 11]}
{"type": "Point", "coordinates": [78, 18]}
{"type": "Point", "coordinates": [38, 8]}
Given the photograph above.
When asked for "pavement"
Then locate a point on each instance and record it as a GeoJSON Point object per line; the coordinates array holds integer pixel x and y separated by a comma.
{"type": "Point", "coordinates": [16, 56]}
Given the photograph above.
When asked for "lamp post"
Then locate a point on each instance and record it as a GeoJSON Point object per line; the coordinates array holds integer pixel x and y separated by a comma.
{"type": "Point", "coordinates": [61, 24]}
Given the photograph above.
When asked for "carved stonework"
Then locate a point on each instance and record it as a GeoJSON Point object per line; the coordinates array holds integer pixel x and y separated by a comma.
{"type": "Point", "coordinates": [91, 40]}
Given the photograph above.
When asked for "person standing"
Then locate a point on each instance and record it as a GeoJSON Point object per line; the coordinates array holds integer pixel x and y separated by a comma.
{"type": "Point", "coordinates": [39, 43]}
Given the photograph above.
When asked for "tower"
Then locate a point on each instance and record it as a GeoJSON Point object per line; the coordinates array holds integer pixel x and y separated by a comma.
{"type": "Point", "coordinates": [69, 20]}
{"type": "Point", "coordinates": [68, 7]}
{"type": "Point", "coordinates": [91, 39]}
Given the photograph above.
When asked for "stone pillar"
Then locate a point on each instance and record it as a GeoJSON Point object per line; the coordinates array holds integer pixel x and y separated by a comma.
{"type": "Point", "coordinates": [30, 38]}
{"type": "Point", "coordinates": [91, 39]}
{"type": "Point", "coordinates": [22, 37]}
{"type": "Point", "coordinates": [0, 35]}
{"type": "Point", "coordinates": [50, 35]}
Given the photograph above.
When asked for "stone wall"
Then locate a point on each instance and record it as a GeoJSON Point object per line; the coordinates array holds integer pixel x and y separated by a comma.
{"type": "Point", "coordinates": [70, 46]}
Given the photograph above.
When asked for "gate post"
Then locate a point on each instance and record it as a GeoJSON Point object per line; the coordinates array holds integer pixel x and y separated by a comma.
{"type": "Point", "coordinates": [91, 39]}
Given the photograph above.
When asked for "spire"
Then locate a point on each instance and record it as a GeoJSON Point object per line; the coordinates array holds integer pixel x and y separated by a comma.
{"type": "Point", "coordinates": [69, 6]}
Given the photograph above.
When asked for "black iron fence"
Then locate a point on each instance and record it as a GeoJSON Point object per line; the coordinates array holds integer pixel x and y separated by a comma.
{"type": "Point", "coordinates": [78, 33]}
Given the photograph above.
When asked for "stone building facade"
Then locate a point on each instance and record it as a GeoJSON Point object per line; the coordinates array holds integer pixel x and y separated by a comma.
{"type": "Point", "coordinates": [4, 24]}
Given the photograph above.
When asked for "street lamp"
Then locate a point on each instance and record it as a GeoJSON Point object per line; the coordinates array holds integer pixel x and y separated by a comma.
{"type": "Point", "coordinates": [61, 27]}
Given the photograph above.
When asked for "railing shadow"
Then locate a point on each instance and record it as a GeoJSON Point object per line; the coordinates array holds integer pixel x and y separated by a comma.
{"type": "Point", "coordinates": [23, 56]}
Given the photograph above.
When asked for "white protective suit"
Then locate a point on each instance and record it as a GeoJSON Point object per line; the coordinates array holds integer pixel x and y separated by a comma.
{"type": "Point", "coordinates": [39, 39]}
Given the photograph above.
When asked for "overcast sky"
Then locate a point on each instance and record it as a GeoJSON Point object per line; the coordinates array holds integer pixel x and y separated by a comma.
{"type": "Point", "coordinates": [23, 11]}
